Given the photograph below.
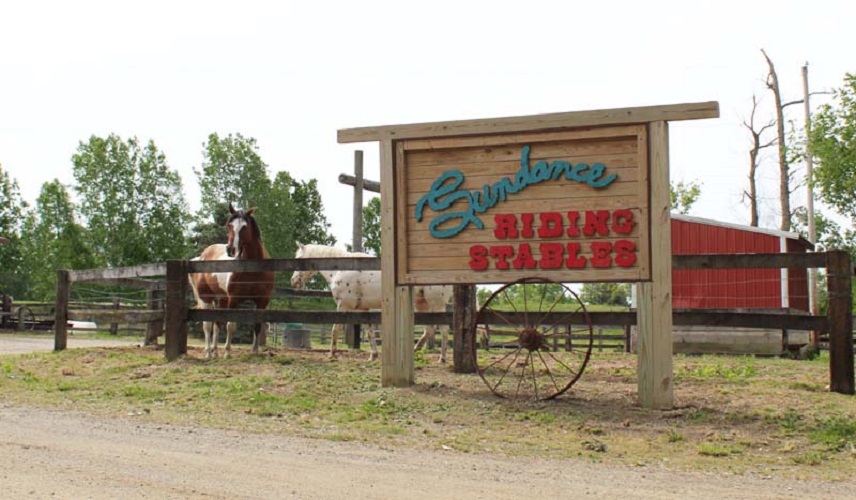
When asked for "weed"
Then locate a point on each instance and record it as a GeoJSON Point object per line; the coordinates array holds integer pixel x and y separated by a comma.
{"type": "Point", "coordinates": [789, 422]}
{"type": "Point", "coordinates": [835, 433]}
{"type": "Point", "coordinates": [719, 449]}
{"type": "Point", "coordinates": [809, 458]}
{"type": "Point", "coordinates": [673, 436]}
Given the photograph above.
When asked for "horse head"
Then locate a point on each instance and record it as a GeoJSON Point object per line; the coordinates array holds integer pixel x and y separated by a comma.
{"type": "Point", "coordinates": [243, 232]}
{"type": "Point", "coordinates": [299, 278]}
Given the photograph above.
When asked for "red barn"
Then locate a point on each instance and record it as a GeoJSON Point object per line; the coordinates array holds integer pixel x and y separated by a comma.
{"type": "Point", "coordinates": [736, 288]}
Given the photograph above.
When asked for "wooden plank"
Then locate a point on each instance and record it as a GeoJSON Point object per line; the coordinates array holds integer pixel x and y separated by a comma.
{"type": "Point", "coordinates": [751, 320]}
{"type": "Point", "coordinates": [464, 339]}
{"type": "Point", "coordinates": [130, 283]}
{"type": "Point", "coordinates": [350, 180]}
{"type": "Point", "coordinates": [397, 369]}
{"type": "Point", "coordinates": [309, 317]}
{"type": "Point", "coordinates": [176, 309]}
{"type": "Point", "coordinates": [459, 277]}
{"type": "Point", "coordinates": [744, 319]}
{"type": "Point", "coordinates": [284, 265]}
{"type": "Point", "coordinates": [102, 316]}
{"type": "Point", "coordinates": [655, 372]}
{"type": "Point", "coordinates": [63, 285]}
{"type": "Point", "coordinates": [494, 145]}
{"type": "Point", "coordinates": [542, 122]}
{"type": "Point", "coordinates": [749, 261]}
{"type": "Point", "coordinates": [115, 273]}
{"type": "Point", "coordinates": [839, 276]}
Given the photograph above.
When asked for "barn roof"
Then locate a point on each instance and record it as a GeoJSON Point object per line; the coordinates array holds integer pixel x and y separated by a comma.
{"type": "Point", "coordinates": [740, 227]}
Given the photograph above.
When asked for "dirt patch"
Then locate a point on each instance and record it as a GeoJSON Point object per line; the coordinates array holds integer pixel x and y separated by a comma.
{"type": "Point", "coordinates": [72, 455]}
{"type": "Point", "coordinates": [765, 428]}
{"type": "Point", "coordinates": [17, 343]}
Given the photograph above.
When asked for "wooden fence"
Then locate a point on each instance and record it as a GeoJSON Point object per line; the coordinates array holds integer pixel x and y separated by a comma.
{"type": "Point", "coordinates": [837, 323]}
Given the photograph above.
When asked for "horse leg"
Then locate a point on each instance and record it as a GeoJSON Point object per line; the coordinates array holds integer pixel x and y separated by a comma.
{"type": "Point", "coordinates": [373, 344]}
{"type": "Point", "coordinates": [444, 329]}
{"type": "Point", "coordinates": [207, 328]}
{"type": "Point", "coordinates": [230, 329]}
{"type": "Point", "coordinates": [421, 342]}
{"type": "Point", "coordinates": [259, 330]}
{"type": "Point", "coordinates": [334, 334]}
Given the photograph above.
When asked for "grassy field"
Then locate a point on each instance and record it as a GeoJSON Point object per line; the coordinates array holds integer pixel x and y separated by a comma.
{"type": "Point", "coordinates": [768, 416]}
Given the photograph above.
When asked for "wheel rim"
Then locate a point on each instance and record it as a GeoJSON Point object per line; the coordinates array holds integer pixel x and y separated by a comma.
{"type": "Point", "coordinates": [541, 339]}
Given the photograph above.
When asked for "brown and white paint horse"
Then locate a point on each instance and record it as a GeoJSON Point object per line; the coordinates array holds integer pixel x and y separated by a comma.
{"type": "Point", "coordinates": [229, 290]}
{"type": "Point", "coordinates": [361, 291]}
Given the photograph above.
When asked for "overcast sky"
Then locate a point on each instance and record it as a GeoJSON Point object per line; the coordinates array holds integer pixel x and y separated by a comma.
{"type": "Point", "coordinates": [291, 73]}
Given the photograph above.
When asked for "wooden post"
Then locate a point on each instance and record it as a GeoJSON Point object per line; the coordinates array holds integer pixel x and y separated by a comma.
{"type": "Point", "coordinates": [154, 328]}
{"type": "Point", "coordinates": [63, 285]}
{"type": "Point", "coordinates": [114, 327]}
{"type": "Point", "coordinates": [654, 311]}
{"type": "Point", "coordinates": [464, 337]}
{"type": "Point", "coordinates": [176, 309]}
{"type": "Point", "coordinates": [6, 309]}
{"type": "Point", "coordinates": [397, 305]}
{"type": "Point", "coordinates": [840, 317]}
{"type": "Point", "coordinates": [627, 338]}
{"type": "Point", "coordinates": [358, 202]}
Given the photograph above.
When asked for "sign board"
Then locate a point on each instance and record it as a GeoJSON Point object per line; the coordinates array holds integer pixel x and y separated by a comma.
{"type": "Point", "coordinates": [571, 206]}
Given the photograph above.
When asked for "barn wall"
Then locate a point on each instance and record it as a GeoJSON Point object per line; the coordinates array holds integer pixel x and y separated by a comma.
{"type": "Point", "coordinates": [724, 288]}
{"type": "Point", "coordinates": [797, 280]}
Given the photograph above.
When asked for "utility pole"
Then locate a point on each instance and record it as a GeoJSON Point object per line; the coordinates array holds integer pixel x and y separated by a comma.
{"type": "Point", "coordinates": [812, 273]}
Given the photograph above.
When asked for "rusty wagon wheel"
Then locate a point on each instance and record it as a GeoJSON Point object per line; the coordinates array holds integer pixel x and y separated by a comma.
{"type": "Point", "coordinates": [533, 350]}
{"type": "Point", "coordinates": [25, 314]}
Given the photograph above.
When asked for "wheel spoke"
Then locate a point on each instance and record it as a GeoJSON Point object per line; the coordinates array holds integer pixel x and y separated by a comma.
{"type": "Point", "coordinates": [534, 377]}
{"type": "Point", "coordinates": [522, 374]}
{"type": "Point", "coordinates": [500, 360]}
{"type": "Point", "coordinates": [549, 372]}
{"type": "Point", "coordinates": [505, 294]}
{"type": "Point", "coordinates": [494, 312]}
{"type": "Point", "coordinates": [566, 367]}
{"type": "Point", "coordinates": [525, 306]}
{"type": "Point", "coordinates": [505, 372]}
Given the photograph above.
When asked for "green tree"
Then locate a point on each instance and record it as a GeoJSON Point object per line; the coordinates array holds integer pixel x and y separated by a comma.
{"type": "Point", "coordinates": [54, 240]}
{"type": "Point", "coordinates": [208, 231]}
{"type": "Point", "coordinates": [282, 222]}
{"type": "Point", "coordinates": [613, 294]}
{"type": "Point", "coordinates": [131, 200]}
{"type": "Point", "coordinates": [13, 279]}
{"type": "Point", "coordinates": [833, 146]}
{"type": "Point", "coordinates": [683, 196]}
{"type": "Point", "coordinates": [232, 172]}
{"type": "Point", "coordinates": [371, 227]}
{"type": "Point", "coordinates": [309, 210]}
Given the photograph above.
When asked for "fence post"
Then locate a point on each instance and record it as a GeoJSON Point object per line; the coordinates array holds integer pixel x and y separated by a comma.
{"type": "Point", "coordinates": [358, 202]}
{"type": "Point", "coordinates": [463, 337]}
{"type": "Point", "coordinates": [6, 309]}
{"type": "Point", "coordinates": [154, 328]}
{"type": "Point", "coordinates": [114, 327]}
{"type": "Point", "coordinates": [840, 318]}
{"type": "Point", "coordinates": [63, 284]}
{"type": "Point", "coordinates": [176, 309]}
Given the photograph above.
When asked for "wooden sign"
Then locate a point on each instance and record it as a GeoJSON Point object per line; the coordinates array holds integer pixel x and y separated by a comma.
{"type": "Point", "coordinates": [571, 206]}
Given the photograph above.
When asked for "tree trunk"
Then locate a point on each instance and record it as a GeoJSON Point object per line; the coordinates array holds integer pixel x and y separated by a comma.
{"type": "Point", "coordinates": [753, 160]}
{"type": "Point", "coordinates": [784, 171]}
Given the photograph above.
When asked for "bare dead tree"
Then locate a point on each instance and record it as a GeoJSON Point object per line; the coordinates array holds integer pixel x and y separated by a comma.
{"type": "Point", "coordinates": [784, 169]}
{"type": "Point", "coordinates": [757, 146]}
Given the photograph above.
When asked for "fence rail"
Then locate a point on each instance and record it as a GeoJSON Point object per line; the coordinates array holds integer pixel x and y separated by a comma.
{"type": "Point", "coordinates": [837, 323]}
